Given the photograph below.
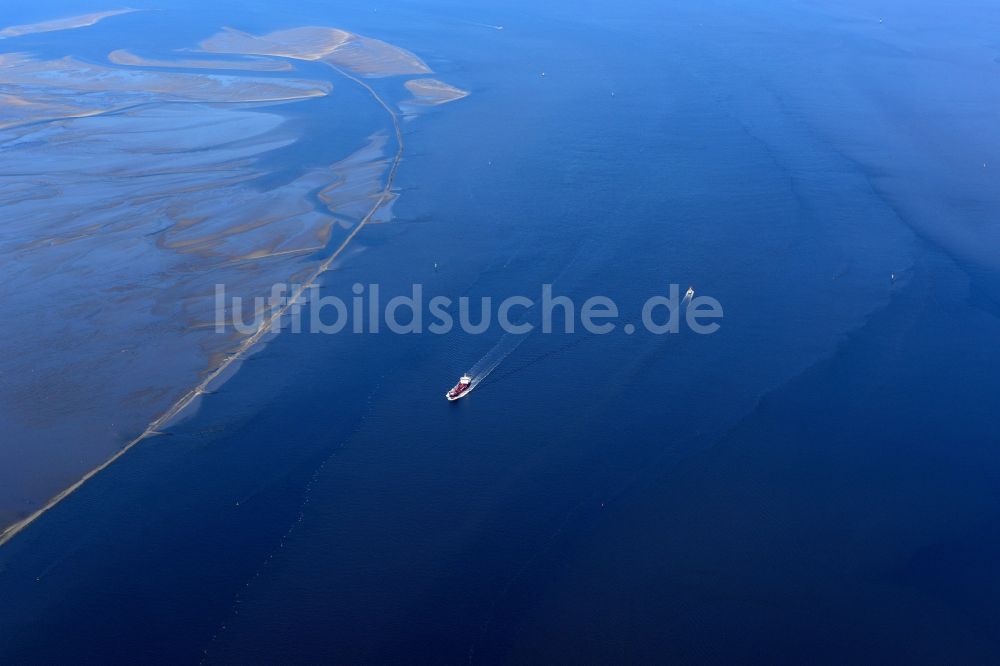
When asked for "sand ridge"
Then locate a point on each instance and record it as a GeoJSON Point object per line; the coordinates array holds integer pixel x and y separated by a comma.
{"type": "Point", "coordinates": [433, 92]}
{"type": "Point", "coordinates": [68, 23]}
{"type": "Point", "coordinates": [249, 64]}
{"type": "Point", "coordinates": [362, 56]}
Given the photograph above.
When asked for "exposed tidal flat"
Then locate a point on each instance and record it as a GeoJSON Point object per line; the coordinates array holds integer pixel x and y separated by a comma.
{"type": "Point", "coordinates": [432, 91]}
{"type": "Point", "coordinates": [126, 57]}
{"type": "Point", "coordinates": [67, 23]}
{"type": "Point", "coordinates": [129, 192]}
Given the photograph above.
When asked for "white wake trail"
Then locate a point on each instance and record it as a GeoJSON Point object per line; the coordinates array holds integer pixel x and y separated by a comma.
{"type": "Point", "coordinates": [481, 25]}
{"type": "Point", "coordinates": [494, 357]}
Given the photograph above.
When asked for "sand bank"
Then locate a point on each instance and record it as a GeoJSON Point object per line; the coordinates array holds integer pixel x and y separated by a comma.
{"type": "Point", "coordinates": [69, 23]}
{"type": "Point", "coordinates": [433, 92]}
{"type": "Point", "coordinates": [126, 57]}
{"type": "Point", "coordinates": [363, 56]}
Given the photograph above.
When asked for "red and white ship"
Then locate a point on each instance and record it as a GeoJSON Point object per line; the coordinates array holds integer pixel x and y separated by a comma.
{"type": "Point", "coordinates": [461, 388]}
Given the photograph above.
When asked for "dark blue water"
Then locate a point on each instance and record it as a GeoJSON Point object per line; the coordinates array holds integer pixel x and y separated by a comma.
{"type": "Point", "coordinates": [815, 482]}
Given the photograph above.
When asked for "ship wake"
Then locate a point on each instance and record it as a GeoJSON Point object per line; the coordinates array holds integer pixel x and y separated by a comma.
{"type": "Point", "coordinates": [494, 357]}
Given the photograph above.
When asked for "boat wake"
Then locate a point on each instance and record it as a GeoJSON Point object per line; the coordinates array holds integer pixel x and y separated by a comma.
{"type": "Point", "coordinates": [481, 25]}
{"type": "Point", "coordinates": [494, 357]}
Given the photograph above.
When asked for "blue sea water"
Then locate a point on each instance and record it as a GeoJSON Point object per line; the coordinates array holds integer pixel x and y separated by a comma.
{"type": "Point", "coordinates": [815, 482]}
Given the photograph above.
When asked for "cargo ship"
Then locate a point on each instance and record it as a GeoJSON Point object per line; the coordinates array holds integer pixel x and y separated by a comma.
{"type": "Point", "coordinates": [461, 388]}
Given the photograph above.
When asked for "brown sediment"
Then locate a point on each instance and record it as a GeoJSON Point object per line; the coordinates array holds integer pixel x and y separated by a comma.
{"type": "Point", "coordinates": [348, 194]}
{"type": "Point", "coordinates": [433, 92]}
{"type": "Point", "coordinates": [17, 110]}
{"type": "Point", "coordinates": [360, 55]}
{"type": "Point", "coordinates": [68, 23]}
{"type": "Point", "coordinates": [125, 57]}
{"type": "Point", "coordinates": [310, 43]}
{"type": "Point", "coordinates": [93, 197]}
{"type": "Point", "coordinates": [33, 91]}
{"type": "Point", "coordinates": [228, 361]}
{"type": "Point", "coordinates": [373, 58]}
{"type": "Point", "coordinates": [68, 74]}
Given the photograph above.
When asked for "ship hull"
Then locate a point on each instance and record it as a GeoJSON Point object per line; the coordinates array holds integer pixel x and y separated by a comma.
{"type": "Point", "coordinates": [463, 386]}
{"type": "Point", "coordinates": [452, 398]}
